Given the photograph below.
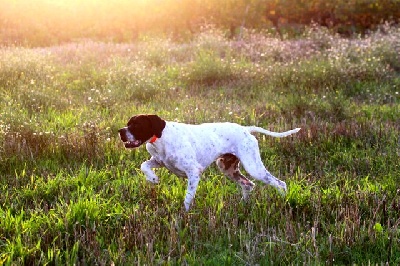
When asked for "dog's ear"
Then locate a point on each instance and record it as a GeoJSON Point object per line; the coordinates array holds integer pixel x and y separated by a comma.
{"type": "Point", "coordinates": [157, 124]}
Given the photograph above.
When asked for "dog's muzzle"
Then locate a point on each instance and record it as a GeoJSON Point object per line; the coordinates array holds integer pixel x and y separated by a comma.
{"type": "Point", "coordinates": [128, 139]}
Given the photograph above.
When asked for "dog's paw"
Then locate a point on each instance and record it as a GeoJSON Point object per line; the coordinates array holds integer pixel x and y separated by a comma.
{"type": "Point", "coordinates": [282, 191]}
{"type": "Point", "coordinates": [187, 206]}
{"type": "Point", "coordinates": [153, 179]}
{"type": "Point", "coordinates": [246, 190]}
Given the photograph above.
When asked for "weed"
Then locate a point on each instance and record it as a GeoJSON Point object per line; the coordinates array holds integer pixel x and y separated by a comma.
{"type": "Point", "coordinates": [209, 69]}
{"type": "Point", "coordinates": [71, 194]}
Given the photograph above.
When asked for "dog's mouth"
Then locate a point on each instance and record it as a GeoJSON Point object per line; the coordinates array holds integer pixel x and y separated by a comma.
{"type": "Point", "coordinates": [132, 144]}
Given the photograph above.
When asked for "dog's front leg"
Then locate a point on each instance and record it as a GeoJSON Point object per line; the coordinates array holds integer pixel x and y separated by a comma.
{"type": "Point", "coordinates": [193, 182]}
{"type": "Point", "coordinates": [146, 168]}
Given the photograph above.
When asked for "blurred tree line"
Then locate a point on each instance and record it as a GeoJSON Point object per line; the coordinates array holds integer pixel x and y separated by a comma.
{"type": "Point", "coordinates": [46, 22]}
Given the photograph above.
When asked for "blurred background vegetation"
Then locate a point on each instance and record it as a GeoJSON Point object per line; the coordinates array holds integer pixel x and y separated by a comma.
{"type": "Point", "coordinates": [70, 194]}
{"type": "Point", "coordinates": [50, 22]}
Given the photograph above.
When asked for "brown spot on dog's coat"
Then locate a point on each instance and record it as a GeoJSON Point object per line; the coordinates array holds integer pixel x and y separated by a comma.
{"type": "Point", "coordinates": [229, 165]}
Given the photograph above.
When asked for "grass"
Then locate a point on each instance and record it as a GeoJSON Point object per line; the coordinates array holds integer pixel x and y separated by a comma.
{"type": "Point", "coordinates": [71, 194]}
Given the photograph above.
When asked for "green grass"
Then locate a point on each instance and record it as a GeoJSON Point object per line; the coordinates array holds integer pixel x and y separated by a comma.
{"type": "Point", "coordinates": [71, 194]}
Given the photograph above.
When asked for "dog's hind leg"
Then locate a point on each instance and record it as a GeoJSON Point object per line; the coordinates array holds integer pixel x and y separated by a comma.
{"type": "Point", "coordinates": [229, 165]}
{"type": "Point", "coordinates": [250, 158]}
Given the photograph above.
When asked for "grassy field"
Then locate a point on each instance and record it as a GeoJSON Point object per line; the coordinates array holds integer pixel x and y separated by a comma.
{"type": "Point", "coordinates": [70, 193]}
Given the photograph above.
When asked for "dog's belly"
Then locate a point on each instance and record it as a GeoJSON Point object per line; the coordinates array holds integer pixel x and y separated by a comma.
{"type": "Point", "coordinates": [175, 170]}
{"type": "Point", "coordinates": [171, 166]}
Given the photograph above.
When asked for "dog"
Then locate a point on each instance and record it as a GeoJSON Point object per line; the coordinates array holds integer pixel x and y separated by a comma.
{"type": "Point", "coordinates": [187, 150]}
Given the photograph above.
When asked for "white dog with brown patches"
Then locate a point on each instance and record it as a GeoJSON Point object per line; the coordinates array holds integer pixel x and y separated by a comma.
{"type": "Point", "coordinates": [187, 150]}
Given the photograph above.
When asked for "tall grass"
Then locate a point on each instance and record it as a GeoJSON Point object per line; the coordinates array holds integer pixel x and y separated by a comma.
{"type": "Point", "coordinates": [71, 194]}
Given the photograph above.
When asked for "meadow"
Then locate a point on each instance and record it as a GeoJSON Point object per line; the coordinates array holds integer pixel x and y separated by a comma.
{"type": "Point", "coordinates": [70, 193]}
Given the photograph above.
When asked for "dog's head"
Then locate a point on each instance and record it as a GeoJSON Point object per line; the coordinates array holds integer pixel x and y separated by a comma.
{"type": "Point", "coordinates": [141, 128]}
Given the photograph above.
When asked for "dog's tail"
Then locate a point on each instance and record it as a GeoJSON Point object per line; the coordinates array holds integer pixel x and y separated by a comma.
{"type": "Point", "coordinates": [253, 129]}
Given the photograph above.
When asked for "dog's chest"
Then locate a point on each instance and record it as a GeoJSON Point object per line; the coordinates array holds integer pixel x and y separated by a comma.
{"type": "Point", "coordinates": [168, 160]}
{"type": "Point", "coordinates": [172, 164]}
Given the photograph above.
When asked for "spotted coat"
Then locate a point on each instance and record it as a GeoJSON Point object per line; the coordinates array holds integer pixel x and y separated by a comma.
{"type": "Point", "coordinates": [187, 150]}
